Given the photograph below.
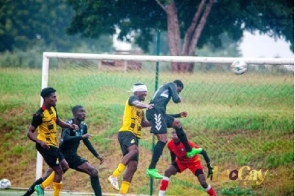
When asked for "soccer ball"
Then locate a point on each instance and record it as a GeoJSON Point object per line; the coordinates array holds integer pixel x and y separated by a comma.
{"type": "Point", "coordinates": [5, 184]}
{"type": "Point", "coordinates": [239, 67]}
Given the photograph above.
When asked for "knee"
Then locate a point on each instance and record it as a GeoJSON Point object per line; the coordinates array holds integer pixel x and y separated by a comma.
{"type": "Point", "coordinates": [176, 123]}
{"type": "Point", "coordinates": [93, 172]}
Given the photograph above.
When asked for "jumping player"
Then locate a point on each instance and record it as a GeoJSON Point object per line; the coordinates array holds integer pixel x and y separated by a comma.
{"type": "Point", "coordinates": [160, 121]}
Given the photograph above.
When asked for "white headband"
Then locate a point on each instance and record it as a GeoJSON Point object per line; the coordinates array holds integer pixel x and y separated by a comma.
{"type": "Point", "coordinates": [141, 87]}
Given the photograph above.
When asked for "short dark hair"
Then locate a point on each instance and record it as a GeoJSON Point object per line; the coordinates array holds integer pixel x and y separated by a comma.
{"type": "Point", "coordinates": [47, 92]}
{"type": "Point", "coordinates": [76, 108]}
{"type": "Point", "coordinates": [178, 83]}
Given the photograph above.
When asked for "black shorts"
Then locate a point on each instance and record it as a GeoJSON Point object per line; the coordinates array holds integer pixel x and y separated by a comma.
{"type": "Point", "coordinates": [75, 161]}
{"type": "Point", "coordinates": [52, 155]}
{"type": "Point", "coordinates": [159, 121]}
{"type": "Point", "coordinates": [127, 139]}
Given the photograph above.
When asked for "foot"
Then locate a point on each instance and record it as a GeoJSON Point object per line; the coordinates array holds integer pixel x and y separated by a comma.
{"type": "Point", "coordinates": [154, 173]}
{"type": "Point", "coordinates": [39, 190]}
{"type": "Point", "coordinates": [193, 152]}
{"type": "Point", "coordinates": [114, 182]}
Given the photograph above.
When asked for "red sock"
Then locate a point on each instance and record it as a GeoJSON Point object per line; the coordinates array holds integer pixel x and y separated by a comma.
{"type": "Point", "coordinates": [211, 192]}
{"type": "Point", "coordinates": [164, 184]}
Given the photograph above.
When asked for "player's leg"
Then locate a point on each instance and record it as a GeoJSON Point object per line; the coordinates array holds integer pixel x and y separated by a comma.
{"type": "Point", "coordinates": [129, 147]}
{"type": "Point", "coordinates": [158, 150]}
{"type": "Point", "coordinates": [159, 128]}
{"type": "Point", "coordinates": [171, 170]}
{"type": "Point", "coordinates": [37, 182]}
{"type": "Point", "coordinates": [202, 179]}
{"type": "Point", "coordinates": [128, 175]}
{"type": "Point", "coordinates": [93, 173]}
{"type": "Point", "coordinates": [182, 136]}
{"type": "Point", "coordinates": [59, 169]}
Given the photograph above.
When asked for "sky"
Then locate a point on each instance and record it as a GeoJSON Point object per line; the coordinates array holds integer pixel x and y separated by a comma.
{"type": "Point", "coordinates": [264, 46]}
{"type": "Point", "coordinates": [252, 46]}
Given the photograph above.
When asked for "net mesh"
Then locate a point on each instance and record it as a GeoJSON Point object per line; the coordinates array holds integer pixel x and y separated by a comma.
{"type": "Point", "coordinates": [244, 122]}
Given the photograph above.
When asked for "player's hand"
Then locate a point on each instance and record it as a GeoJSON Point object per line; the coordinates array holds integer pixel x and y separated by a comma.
{"type": "Point", "coordinates": [149, 106]}
{"type": "Point", "coordinates": [86, 136]}
{"type": "Point", "coordinates": [44, 145]}
{"type": "Point", "coordinates": [76, 127]}
{"type": "Point", "coordinates": [210, 171]}
{"type": "Point", "coordinates": [101, 159]}
{"type": "Point", "coordinates": [183, 114]}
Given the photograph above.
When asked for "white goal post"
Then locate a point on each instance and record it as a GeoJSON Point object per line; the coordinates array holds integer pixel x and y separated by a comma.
{"type": "Point", "coordinates": [185, 59]}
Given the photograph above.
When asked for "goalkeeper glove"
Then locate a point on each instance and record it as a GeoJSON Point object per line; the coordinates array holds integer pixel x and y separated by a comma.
{"type": "Point", "coordinates": [210, 171]}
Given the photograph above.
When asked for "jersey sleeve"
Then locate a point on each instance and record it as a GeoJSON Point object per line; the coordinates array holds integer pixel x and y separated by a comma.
{"type": "Point", "coordinates": [174, 93]}
{"type": "Point", "coordinates": [37, 120]}
{"type": "Point", "coordinates": [131, 99]}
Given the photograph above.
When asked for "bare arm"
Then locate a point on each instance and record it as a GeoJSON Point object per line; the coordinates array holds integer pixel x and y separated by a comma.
{"type": "Point", "coordinates": [33, 137]}
{"type": "Point", "coordinates": [63, 124]}
{"type": "Point", "coordinates": [142, 105]}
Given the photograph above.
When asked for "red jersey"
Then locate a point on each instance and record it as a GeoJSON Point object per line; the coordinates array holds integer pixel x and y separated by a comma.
{"type": "Point", "coordinates": [180, 152]}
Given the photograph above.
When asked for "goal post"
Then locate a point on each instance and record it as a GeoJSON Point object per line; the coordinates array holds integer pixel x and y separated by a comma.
{"type": "Point", "coordinates": [230, 113]}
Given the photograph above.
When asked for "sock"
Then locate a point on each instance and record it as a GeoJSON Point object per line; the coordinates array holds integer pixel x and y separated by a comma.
{"type": "Point", "coordinates": [56, 188]}
{"type": "Point", "coordinates": [182, 136]}
{"type": "Point", "coordinates": [124, 187]}
{"type": "Point", "coordinates": [96, 185]}
{"type": "Point", "coordinates": [31, 190]}
{"type": "Point", "coordinates": [48, 180]}
{"type": "Point", "coordinates": [163, 185]}
{"type": "Point", "coordinates": [210, 191]}
{"type": "Point", "coordinates": [117, 172]}
{"type": "Point", "coordinates": [157, 153]}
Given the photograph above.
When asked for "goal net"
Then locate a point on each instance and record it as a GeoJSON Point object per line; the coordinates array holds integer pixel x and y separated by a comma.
{"type": "Point", "coordinates": [244, 122]}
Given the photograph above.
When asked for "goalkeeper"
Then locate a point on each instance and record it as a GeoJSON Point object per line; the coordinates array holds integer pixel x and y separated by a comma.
{"type": "Point", "coordinates": [181, 162]}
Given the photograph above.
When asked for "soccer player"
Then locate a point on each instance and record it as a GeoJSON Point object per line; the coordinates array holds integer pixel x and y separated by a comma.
{"type": "Point", "coordinates": [128, 137]}
{"type": "Point", "coordinates": [69, 144]}
{"type": "Point", "coordinates": [181, 162]}
{"type": "Point", "coordinates": [160, 121]}
{"type": "Point", "coordinates": [45, 120]}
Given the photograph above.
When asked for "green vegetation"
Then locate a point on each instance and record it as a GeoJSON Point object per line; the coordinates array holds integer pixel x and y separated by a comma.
{"type": "Point", "coordinates": [240, 120]}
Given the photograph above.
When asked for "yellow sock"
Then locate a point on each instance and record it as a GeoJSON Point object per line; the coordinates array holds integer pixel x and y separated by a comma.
{"type": "Point", "coordinates": [56, 188]}
{"type": "Point", "coordinates": [124, 187]}
{"type": "Point", "coordinates": [48, 180]}
{"type": "Point", "coordinates": [119, 170]}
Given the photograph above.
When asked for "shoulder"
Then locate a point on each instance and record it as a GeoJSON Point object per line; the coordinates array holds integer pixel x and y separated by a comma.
{"type": "Point", "coordinates": [132, 98]}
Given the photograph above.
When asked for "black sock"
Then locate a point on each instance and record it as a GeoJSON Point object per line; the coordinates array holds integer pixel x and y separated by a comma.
{"type": "Point", "coordinates": [182, 136]}
{"type": "Point", "coordinates": [157, 153]}
{"type": "Point", "coordinates": [31, 190]}
{"type": "Point", "coordinates": [96, 185]}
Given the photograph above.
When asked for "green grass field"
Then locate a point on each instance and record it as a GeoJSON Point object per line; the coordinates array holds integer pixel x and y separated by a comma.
{"type": "Point", "coordinates": [245, 123]}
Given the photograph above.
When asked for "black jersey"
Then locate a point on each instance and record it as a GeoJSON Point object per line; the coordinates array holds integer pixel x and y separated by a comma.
{"type": "Point", "coordinates": [70, 140]}
{"type": "Point", "coordinates": [163, 95]}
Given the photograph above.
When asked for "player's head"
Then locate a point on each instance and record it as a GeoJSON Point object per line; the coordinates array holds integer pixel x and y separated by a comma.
{"type": "Point", "coordinates": [79, 113]}
{"type": "Point", "coordinates": [179, 85]}
{"type": "Point", "coordinates": [174, 136]}
{"type": "Point", "coordinates": [49, 96]}
{"type": "Point", "coordinates": [140, 90]}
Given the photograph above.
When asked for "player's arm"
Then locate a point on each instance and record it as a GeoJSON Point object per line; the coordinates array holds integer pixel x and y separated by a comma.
{"type": "Point", "coordinates": [174, 93]}
{"type": "Point", "coordinates": [144, 122]}
{"type": "Point", "coordinates": [141, 105]}
{"type": "Point", "coordinates": [206, 157]}
{"type": "Point", "coordinates": [173, 156]}
{"type": "Point", "coordinates": [179, 115]}
{"type": "Point", "coordinates": [63, 124]}
{"type": "Point", "coordinates": [66, 136]}
{"type": "Point", "coordinates": [37, 120]}
{"type": "Point", "coordinates": [91, 148]}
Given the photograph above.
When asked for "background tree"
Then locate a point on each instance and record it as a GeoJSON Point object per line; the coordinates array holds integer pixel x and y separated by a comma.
{"type": "Point", "coordinates": [190, 24]}
{"type": "Point", "coordinates": [31, 23]}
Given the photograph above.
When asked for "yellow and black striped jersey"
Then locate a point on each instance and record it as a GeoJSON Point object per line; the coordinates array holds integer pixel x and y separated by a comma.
{"type": "Point", "coordinates": [45, 121]}
{"type": "Point", "coordinates": [132, 117]}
